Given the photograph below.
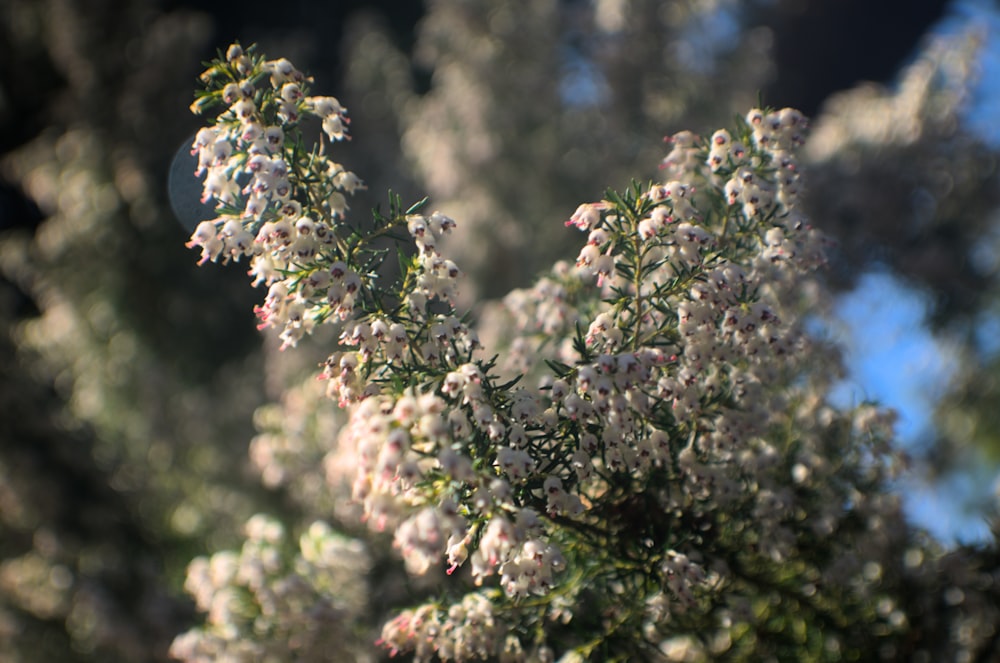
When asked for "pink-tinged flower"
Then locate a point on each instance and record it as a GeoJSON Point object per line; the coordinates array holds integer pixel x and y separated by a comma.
{"type": "Point", "coordinates": [587, 216]}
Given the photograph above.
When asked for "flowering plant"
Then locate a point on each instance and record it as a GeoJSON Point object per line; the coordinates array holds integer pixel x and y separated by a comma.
{"type": "Point", "coordinates": [645, 465]}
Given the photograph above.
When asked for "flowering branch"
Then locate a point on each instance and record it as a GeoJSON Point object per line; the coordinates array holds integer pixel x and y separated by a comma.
{"type": "Point", "coordinates": [672, 463]}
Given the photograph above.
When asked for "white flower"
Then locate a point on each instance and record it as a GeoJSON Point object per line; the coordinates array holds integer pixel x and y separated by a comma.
{"type": "Point", "coordinates": [587, 216]}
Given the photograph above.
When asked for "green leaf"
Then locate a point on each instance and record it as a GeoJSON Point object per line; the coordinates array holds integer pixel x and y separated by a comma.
{"type": "Point", "coordinates": [560, 369]}
{"type": "Point", "coordinates": [415, 207]}
{"type": "Point", "coordinates": [613, 196]}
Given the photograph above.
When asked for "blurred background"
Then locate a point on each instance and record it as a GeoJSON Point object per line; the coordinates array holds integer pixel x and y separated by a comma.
{"type": "Point", "coordinates": [129, 378]}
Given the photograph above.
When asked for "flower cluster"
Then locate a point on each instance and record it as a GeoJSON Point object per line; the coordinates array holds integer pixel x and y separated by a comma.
{"type": "Point", "coordinates": [405, 448]}
{"type": "Point", "coordinates": [253, 163]}
{"type": "Point", "coordinates": [468, 630]}
{"type": "Point", "coordinates": [658, 454]}
{"type": "Point", "coordinates": [317, 267]}
{"type": "Point", "coordinates": [264, 604]}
